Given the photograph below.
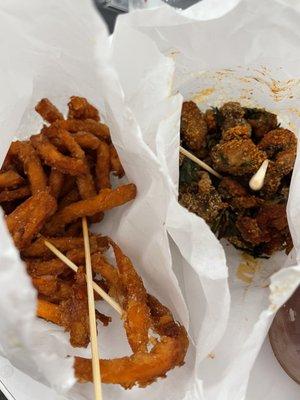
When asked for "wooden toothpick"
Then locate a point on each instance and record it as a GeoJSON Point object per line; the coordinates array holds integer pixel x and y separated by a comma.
{"type": "Point", "coordinates": [201, 163]}
{"type": "Point", "coordinates": [92, 313]}
{"type": "Point", "coordinates": [74, 267]}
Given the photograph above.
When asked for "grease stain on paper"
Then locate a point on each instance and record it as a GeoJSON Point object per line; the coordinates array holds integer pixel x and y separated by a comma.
{"type": "Point", "coordinates": [200, 96]}
{"type": "Point", "coordinates": [248, 268]}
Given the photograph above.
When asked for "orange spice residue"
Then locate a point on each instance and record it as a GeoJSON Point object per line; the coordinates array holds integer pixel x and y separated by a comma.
{"type": "Point", "coordinates": [200, 96]}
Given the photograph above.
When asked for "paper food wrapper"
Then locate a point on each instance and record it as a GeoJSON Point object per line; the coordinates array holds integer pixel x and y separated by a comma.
{"type": "Point", "coordinates": [138, 79]}
{"type": "Point", "coordinates": [244, 51]}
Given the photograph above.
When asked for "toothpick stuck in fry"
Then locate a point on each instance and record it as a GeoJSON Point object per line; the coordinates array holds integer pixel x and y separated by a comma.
{"type": "Point", "coordinates": [74, 267]}
{"type": "Point", "coordinates": [201, 163]}
{"type": "Point", "coordinates": [92, 313]}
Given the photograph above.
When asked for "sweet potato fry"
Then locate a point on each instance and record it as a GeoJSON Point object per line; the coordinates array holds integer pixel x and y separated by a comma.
{"type": "Point", "coordinates": [48, 311]}
{"type": "Point", "coordinates": [116, 165]}
{"type": "Point", "coordinates": [45, 285]}
{"type": "Point", "coordinates": [80, 108]}
{"type": "Point", "coordinates": [25, 222]}
{"type": "Point", "coordinates": [103, 166]}
{"type": "Point", "coordinates": [87, 125]}
{"type": "Point", "coordinates": [71, 197]}
{"type": "Point", "coordinates": [15, 194]}
{"type": "Point", "coordinates": [105, 200]}
{"type": "Point", "coordinates": [10, 179]}
{"type": "Point", "coordinates": [52, 157]}
{"type": "Point", "coordinates": [64, 244]}
{"type": "Point", "coordinates": [31, 164]}
{"type": "Point", "coordinates": [63, 291]}
{"type": "Point", "coordinates": [137, 320]}
{"type": "Point", "coordinates": [86, 140]}
{"type": "Point", "coordinates": [48, 111]}
{"type": "Point", "coordinates": [101, 266]}
{"type": "Point", "coordinates": [73, 229]}
{"type": "Point", "coordinates": [69, 185]}
{"type": "Point", "coordinates": [39, 267]}
{"type": "Point", "coordinates": [85, 182]}
{"type": "Point", "coordinates": [75, 312]}
{"type": "Point", "coordinates": [142, 367]}
{"type": "Point", "coordinates": [56, 182]}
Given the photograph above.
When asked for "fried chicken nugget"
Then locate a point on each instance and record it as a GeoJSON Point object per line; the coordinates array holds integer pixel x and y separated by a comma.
{"type": "Point", "coordinates": [10, 179]}
{"type": "Point", "coordinates": [193, 127]}
{"type": "Point", "coordinates": [105, 200]}
{"type": "Point", "coordinates": [80, 108]}
{"type": "Point", "coordinates": [31, 164]}
{"type": "Point", "coordinates": [48, 111]}
{"type": "Point", "coordinates": [52, 157]}
{"type": "Point", "coordinates": [25, 222]}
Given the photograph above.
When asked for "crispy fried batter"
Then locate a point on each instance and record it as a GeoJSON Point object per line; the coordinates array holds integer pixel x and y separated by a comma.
{"type": "Point", "coordinates": [80, 108]}
{"type": "Point", "coordinates": [236, 195]}
{"type": "Point", "coordinates": [31, 164]}
{"type": "Point", "coordinates": [237, 157]}
{"type": "Point", "coordinates": [261, 121]}
{"type": "Point", "coordinates": [48, 111]}
{"type": "Point", "coordinates": [26, 221]}
{"type": "Point", "coordinates": [232, 114]}
{"type": "Point", "coordinates": [105, 200]}
{"type": "Point", "coordinates": [193, 126]}
{"type": "Point", "coordinates": [280, 146]}
{"type": "Point", "coordinates": [202, 199]}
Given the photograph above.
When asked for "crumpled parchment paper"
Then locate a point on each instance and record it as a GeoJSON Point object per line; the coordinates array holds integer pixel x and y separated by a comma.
{"type": "Point", "coordinates": [138, 79]}
{"type": "Point", "coordinates": [239, 50]}
{"type": "Point", "coordinates": [56, 50]}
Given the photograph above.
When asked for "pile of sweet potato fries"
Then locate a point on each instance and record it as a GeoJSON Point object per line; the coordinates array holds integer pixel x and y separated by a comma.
{"type": "Point", "coordinates": [47, 184]}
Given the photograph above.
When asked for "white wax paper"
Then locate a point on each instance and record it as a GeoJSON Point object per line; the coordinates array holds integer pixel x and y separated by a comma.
{"type": "Point", "coordinates": [59, 49]}
{"type": "Point", "coordinates": [240, 50]}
